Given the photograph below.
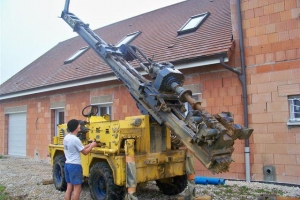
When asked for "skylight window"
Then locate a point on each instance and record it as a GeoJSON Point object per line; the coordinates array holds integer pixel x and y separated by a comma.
{"type": "Point", "coordinates": [128, 38]}
{"type": "Point", "coordinates": [193, 23]}
{"type": "Point", "coordinates": [76, 55]}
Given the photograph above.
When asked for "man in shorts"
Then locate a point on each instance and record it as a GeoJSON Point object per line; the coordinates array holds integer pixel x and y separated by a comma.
{"type": "Point", "coordinates": [73, 168]}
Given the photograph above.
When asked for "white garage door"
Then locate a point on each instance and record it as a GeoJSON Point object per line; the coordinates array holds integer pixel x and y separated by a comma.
{"type": "Point", "coordinates": [17, 134]}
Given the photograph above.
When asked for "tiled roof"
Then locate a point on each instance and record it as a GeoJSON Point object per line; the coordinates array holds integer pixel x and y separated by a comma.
{"type": "Point", "coordinates": [159, 38]}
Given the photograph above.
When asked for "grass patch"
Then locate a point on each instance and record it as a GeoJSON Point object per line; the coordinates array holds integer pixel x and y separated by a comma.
{"type": "Point", "coordinates": [6, 196]}
{"type": "Point", "coordinates": [3, 195]}
{"type": "Point", "coordinates": [262, 191]}
{"type": "Point", "coordinates": [3, 156]}
{"type": "Point", "coordinates": [278, 192]}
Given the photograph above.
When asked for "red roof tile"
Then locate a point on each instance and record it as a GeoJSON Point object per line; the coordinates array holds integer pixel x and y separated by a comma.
{"type": "Point", "coordinates": [159, 37]}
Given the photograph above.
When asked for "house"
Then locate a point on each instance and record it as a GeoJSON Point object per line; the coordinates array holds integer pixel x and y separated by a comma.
{"type": "Point", "coordinates": [202, 39]}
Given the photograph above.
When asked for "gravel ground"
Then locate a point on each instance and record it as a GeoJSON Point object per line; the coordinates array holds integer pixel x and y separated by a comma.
{"type": "Point", "coordinates": [23, 178]}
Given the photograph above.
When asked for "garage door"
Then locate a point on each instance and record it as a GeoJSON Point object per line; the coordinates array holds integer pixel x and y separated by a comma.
{"type": "Point", "coordinates": [17, 134]}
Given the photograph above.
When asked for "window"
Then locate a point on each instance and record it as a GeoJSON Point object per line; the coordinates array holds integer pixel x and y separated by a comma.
{"type": "Point", "coordinates": [76, 55]}
{"type": "Point", "coordinates": [128, 38]}
{"type": "Point", "coordinates": [192, 24]}
{"type": "Point", "coordinates": [104, 109]}
{"type": "Point", "coordinates": [59, 119]}
{"type": "Point", "coordinates": [294, 103]}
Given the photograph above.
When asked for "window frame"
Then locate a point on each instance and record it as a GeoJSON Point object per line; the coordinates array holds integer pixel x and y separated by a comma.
{"type": "Point", "coordinates": [108, 107]}
{"type": "Point", "coordinates": [77, 54]}
{"type": "Point", "coordinates": [182, 30]}
{"type": "Point", "coordinates": [57, 117]}
{"type": "Point", "coordinates": [128, 38]}
{"type": "Point", "coordinates": [293, 120]}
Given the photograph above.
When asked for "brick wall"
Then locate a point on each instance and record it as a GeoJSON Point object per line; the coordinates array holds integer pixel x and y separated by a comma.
{"type": "Point", "coordinates": [40, 118]}
{"type": "Point", "coordinates": [221, 91]}
{"type": "Point", "coordinates": [271, 32]}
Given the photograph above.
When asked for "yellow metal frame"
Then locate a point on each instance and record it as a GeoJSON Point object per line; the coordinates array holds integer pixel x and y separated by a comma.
{"type": "Point", "coordinates": [112, 136]}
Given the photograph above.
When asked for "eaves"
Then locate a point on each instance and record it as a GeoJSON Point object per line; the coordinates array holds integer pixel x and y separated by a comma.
{"type": "Point", "coordinates": [183, 64]}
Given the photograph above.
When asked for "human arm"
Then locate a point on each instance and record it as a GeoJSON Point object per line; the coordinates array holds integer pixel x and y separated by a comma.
{"type": "Point", "coordinates": [88, 148]}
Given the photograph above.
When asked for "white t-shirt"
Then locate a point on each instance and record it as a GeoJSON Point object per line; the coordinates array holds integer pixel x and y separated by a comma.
{"type": "Point", "coordinates": [72, 149]}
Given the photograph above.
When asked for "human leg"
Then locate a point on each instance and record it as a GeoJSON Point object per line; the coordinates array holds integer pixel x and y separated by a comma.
{"type": "Point", "coordinates": [69, 190]}
{"type": "Point", "coordinates": [76, 192]}
{"type": "Point", "coordinates": [75, 175]}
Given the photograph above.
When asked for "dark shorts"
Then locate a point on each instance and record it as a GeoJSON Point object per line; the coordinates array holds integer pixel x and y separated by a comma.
{"type": "Point", "coordinates": [73, 173]}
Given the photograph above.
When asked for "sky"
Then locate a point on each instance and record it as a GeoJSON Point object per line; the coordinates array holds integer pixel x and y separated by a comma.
{"type": "Point", "coordinates": [30, 28]}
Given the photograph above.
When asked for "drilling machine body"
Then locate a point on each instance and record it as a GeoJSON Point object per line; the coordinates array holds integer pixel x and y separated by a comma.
{"type": "Point", "coordinates": [143, 144]}
{"type": "Point", "coordinates": [154, 157]}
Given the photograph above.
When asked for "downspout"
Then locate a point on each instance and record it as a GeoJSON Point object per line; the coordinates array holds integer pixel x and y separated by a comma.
{"type": "Point", "coordinates": [242, 78]}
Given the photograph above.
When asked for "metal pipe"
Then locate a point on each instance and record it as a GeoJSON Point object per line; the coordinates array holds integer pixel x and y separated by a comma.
{"type": "Point", "coordinates": [67, 3]}
{"type": "Point", "coordinates": [230, 68]}
{"type": "Point", "coordinates": [242, 78]}
{"type": "Point", "coordinates": [245, 104]}
{"type": "Point", "coordinates": [209, 180]}
{"type": "Point", "coordinates": [104, 150]}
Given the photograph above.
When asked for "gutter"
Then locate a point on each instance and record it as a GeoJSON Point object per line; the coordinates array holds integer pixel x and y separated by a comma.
{"type": "Point", "coordinates": [56, 87]}
{"type": "Point", "coordinates": [242, 78]}
{"type": "Point", "coordinates": [110, 77]}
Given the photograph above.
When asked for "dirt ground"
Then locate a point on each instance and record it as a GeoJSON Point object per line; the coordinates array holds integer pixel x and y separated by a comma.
{"type": "Point", "coordinates": [23, 179]}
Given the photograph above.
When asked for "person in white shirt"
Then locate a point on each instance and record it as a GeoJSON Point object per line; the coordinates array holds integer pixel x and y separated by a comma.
{"type": "Point", "coordinates": [73, 168]}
